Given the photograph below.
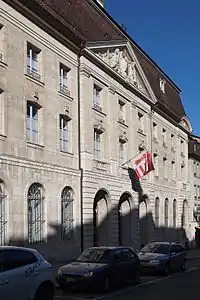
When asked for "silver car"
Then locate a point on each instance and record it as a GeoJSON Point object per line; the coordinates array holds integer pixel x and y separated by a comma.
{"type": "Point", "coordinates": [162, 257]}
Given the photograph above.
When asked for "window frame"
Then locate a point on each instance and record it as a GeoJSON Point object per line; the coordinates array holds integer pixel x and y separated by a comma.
{"type": "Point", "coordinates": [97, 144]}
{"type": "Point", "coordinates": [32, 122]}
{"type": "Point", "coordinates": [64, 133]}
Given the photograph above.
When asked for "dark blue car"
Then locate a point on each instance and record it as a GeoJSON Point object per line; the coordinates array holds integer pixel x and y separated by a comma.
{"type": "Point", "coordinates": [100, 268]}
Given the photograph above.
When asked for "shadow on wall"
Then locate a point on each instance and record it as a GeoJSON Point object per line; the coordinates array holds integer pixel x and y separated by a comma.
{"type": "Point", "coordinates": [123, 224]}
{"type": "Point", "coordinates": [118, 228]}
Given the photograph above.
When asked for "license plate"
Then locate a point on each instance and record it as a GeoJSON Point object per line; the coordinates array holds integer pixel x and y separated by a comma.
{"type": "Point", "coordinates": [70, 279]}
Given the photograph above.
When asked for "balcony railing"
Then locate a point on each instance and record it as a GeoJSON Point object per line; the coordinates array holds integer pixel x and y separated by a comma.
{"type": "Point", "coordinates": [33, 73]}
{"type": "Point", "coordinates": [64, 90]}
{"type": "Point", "coordinates": [97, 107]}
{"type": "Point", "coordinates": [140, 130]}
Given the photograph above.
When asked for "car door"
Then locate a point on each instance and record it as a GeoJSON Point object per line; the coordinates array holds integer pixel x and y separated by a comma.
{"type": "Point", "coordinates": [4, 281]}
{"type": "Point", "coordinates": [173, 257]}
{"type": "Point", "coordinates": [17, 267]}
{"type": "Point", "coordinates": [181, 256]}
{"type": "Point", "coordinates": [129, 262]}
{"type": "Point", "coordinates": [133, 264]}
{"type": "Point", "coordinates": [119, 270]}
{"type": "Point", "coordinates": [26, 268]}
{"type": "Point", "coordinates": [10, 278]}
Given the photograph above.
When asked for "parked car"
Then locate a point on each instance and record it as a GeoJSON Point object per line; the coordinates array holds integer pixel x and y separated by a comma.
{"type": "Point", "coordinates": [100, 268]}
{"type": "Point", "coordinates": [24, 274]}
{"type": "Point", "coordinates": [162, 257]}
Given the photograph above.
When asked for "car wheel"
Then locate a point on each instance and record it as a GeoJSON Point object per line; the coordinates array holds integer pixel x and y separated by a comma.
{"type": "Point", "coordinates": [136, 278]}
{"type": "Point", "coordinates": [183, 266]}
{"type": "Point", "coordinates": [106, 284]}
{"type": "Point", "coordinates": [166, 269]}
{"type": "Point", "coordinates": [45, 291]}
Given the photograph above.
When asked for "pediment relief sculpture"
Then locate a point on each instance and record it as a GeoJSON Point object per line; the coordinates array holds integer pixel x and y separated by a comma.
{"type": "Point", "coordinates": [119, 60]}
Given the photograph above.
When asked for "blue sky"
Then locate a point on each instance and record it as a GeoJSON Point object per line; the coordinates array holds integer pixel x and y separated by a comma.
{"type": "Point", "coordinates": [169, 31]}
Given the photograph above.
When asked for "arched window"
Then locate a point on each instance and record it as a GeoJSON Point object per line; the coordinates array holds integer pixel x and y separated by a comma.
{"type": "Point", "coordinates": [67, 213]}
{"type": "Point", "coordinates": [166, 212]}
{"type": "Point", "coordinates": [157, 208]}
{"type": "Point", "coordinates": [174, 213]}
{"type": "Point", "coordinates": [3, 215]}
{"type": "Point", "coordinates": [185, 213]}
{"type": "Point", "coordinates": [35, 213]}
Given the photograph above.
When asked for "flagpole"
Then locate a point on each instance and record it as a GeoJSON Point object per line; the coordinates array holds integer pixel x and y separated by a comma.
{"type": "Point", "coordinates": [132, 158]}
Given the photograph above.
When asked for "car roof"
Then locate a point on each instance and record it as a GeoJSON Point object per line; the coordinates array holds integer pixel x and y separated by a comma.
{"type": "Point", "coordinates": [111, 247]}
{"type": "Point", "coordinates": [166, 243]}
{"type": "Point", "coordinates": [17, 248]}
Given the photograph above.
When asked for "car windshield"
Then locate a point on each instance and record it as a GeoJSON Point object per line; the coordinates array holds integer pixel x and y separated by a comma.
{"type": "Point", "coordinates": [156, 248]}
{"type": "Point", "coordinates": [96, 256]}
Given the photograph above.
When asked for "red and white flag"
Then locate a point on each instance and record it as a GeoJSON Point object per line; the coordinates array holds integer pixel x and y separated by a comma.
{"type": "Point", "coordinates": [143, 164]}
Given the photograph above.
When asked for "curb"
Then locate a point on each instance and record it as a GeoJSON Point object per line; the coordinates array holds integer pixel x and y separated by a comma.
{"type": "Point", "coordinates": [191, 258]}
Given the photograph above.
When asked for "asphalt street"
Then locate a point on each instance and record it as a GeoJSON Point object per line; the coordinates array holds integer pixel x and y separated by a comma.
{"type": "Point", "coordinates": [180, 285]}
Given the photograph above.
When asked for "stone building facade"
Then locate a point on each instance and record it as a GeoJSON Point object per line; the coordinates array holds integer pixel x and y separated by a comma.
{"type": "Point", "coordinates": [194, 170]}
{"type": "Point", "coordinates": [40, 175]}
{"type": "Point", "coordinates": [78, 100]}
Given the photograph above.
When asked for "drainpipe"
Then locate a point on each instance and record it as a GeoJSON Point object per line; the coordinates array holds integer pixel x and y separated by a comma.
{"type": "Point", "coordinates": [79, 150]}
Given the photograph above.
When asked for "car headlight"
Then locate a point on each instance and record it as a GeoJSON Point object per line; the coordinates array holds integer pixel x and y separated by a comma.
{"type": "Point", "coordinates": [88, 274]}
{"type": "Point", "coordinates": [59, 273]}
{"type": "Point", "coordinates": [155, 261]}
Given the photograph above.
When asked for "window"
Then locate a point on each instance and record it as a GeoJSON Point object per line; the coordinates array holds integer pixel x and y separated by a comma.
{"type": "Point", "coordinates": [185, 214]}
{"type": "Point", "coordinates": [97, 145]}
{"type": "Point", "coordinates": [164, 136]}
{"type": "Point", "coordinates": [36, 221]}
{"type": "Point", "coordinates": [32, 122]}
{"type": "Point", "coordinates": [2, 112]}
{"type": "Point", "coordinates": [173, 169]}
{"type": "Point", "coordinates": [198, 173]}
{"type": "Point", "coordinates": [174, 213]}
{"type": "Point", "coordinates": [13, 258]}
{"type": "Point", "coordinates": [182, 170]}
{"type": "Point", "coordinates": [140, 122]}
{"type": "Point", "coordinates": [33, 61]}
{"type": "Point", "coordinates": [182, 147]}
{"type": "Point", "coordinates": [157, 211]}
{"type": "Point", "coordinates": [121, 112]}
{"type": "Point", "coordinates": [195, 191]}
{"type": "Point", "coordinates": [121, 152]}
{"type": "Point", "coordinates": [67, 213]}
{"type": "Point", "coordinates": [64, 134]}
{"type": "Point", "coordinates": [166, 213]}
{"type": "Point", "coordinates": [96, 97]}
{"type": "Point", "coordinates": [63, 79]}
{"type": "Point", "coordinates": [162, 85]}
{"type": "Point", "coordinates": [172, 143]}
{"type": "Point", "coordinates": [155, 162]}
{"type": "Point", "coordinates": [165, 167]}
{"type": "Point", "coordinates": [155, 133]}
{"type": "Point", "coordinates": [1, 42]}
{"type": "Point", "coordinates": [3, 214]}
{"type": "Point", "coordinates": [195, 168]}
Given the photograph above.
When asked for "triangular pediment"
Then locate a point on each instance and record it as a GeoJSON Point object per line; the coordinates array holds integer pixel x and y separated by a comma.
{"type": "Point", "coordinates": [120, 57]}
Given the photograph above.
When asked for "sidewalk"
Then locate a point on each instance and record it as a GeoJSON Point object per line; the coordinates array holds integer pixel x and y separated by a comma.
{"type": "Point", "coordinates": [193, 254]}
